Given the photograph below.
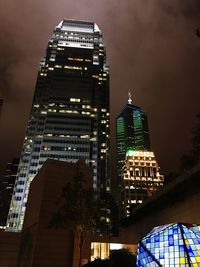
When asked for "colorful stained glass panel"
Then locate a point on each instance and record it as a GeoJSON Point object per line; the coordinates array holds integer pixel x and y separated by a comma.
{"type": "Point", "coordinates": [176, 245]}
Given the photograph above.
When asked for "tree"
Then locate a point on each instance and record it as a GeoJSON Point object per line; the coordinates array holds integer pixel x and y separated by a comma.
{"type": "Point", "coordinates": [76, 209]}
{"type": "Point", "coordinates": [191, 158]}
{"type": "Point", "coordinates": [198, 32]}
{"type": "Point", "coordinates": [118, 258]}
{"type": "Point", "coordinates": [99, 263]}
{"type": "Point", "coordinates": [82, 210]}
{"type": "Point", "coordinates": [122, 257]}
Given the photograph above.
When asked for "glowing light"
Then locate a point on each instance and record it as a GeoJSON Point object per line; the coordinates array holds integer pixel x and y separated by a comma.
{"type": "Point", "coordinates": [139, 153]}
{"type": "Point", "coordinates": [75, 100]}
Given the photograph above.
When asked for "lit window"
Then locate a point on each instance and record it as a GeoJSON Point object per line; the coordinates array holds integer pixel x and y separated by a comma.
{"type": "Point", "coordinates": [75, 99]}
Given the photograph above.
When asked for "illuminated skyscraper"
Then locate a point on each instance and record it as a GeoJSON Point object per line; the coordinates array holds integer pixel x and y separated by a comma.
{"type": "Point", "coordinates": [132, 132]}
{"type": "Point", "coordinates": [140, 179]}
{"type": "Point", "coordinates": [70, 112]}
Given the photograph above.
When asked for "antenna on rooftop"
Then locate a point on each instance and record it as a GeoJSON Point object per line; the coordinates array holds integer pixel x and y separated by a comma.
{"type": "Point", "coordinates": [129, 98]}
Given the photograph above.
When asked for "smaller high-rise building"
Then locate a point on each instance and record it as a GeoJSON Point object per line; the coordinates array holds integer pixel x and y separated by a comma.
{"type": "Point", "coordinates": [132, 131]}
{"type": "Point", "coordinates": [140, 179]}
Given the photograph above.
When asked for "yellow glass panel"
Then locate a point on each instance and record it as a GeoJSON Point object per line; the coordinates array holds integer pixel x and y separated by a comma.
{"type": "Point", "coordinates": [182, 260]}
{"type": "Point", "coordinates": [195, 265]}
{"type": "Point", "coordinates": [198, 252]}
{"type": "Point", "coordinates": [197, 259]}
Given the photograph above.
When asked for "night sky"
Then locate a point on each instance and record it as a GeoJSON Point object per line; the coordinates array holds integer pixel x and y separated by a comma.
{"type": "Point", "coordinates": [151, 47]}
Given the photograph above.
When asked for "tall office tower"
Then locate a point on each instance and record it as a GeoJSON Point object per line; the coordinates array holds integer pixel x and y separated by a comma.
{"type": "Point", "coordinates": [131, 132]}
{"type": "Point", "coordinates": [70, 112]}
{"type": "Point", "coordinates": [141, 178]}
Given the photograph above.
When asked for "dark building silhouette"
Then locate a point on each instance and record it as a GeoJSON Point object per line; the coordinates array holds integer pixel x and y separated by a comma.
{"type": "Point", "coordinates": [43, 244]}
{"type": "Point", "coordinates": [69, 118]}
{"type": "Point", "coordinates": [6, 189]}
{"type": "Point", "coordinates": [132, 132]}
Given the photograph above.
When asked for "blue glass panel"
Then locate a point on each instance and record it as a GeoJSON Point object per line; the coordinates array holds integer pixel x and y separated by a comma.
{"type": "Point", "coordinates": [165, 245]}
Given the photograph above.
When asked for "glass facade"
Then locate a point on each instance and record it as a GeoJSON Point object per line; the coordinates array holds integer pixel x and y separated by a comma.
{"type": "Point", "coordinates": [131, 132]}
{"type": "Point", "coordinates": [69, 119]}
{"type": "Point", "coordinates": [172, 245]}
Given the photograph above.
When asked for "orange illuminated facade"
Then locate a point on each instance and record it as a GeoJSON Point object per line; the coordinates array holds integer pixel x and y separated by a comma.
{"type": "Point", "coordinates": [140, 178]}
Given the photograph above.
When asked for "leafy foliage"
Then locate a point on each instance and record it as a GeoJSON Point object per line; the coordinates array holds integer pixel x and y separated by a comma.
{"type": "Point", "coordinates": [76, 209]}
{"type": "Point", "coordinates": [190, 159]}
{"type": "Point", "coordinates": [99, 263]}
{"type": "Point", "coordinates": [122, 257]}
{"type": "Point", "coordinates": [118, 258]}
{"type": "Point", "coordinates": [76, 205]}
{"type": "Point", "coordinates": [82, 210]}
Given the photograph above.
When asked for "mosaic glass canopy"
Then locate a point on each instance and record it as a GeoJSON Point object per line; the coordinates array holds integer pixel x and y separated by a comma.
{"type": "Point", "coordinates": [171, 245]}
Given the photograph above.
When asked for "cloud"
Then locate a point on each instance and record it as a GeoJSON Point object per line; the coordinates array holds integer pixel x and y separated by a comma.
{"type": "Point", "coordinates": [151, 48]}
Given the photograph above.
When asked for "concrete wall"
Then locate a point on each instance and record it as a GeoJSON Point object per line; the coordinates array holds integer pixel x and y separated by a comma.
{"type": "Point", "coordinates": [42, 244]}
{"type": "Point", "coordinates": [53, 248]}
{"type": "Point", "coordinates": [9, 246]}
